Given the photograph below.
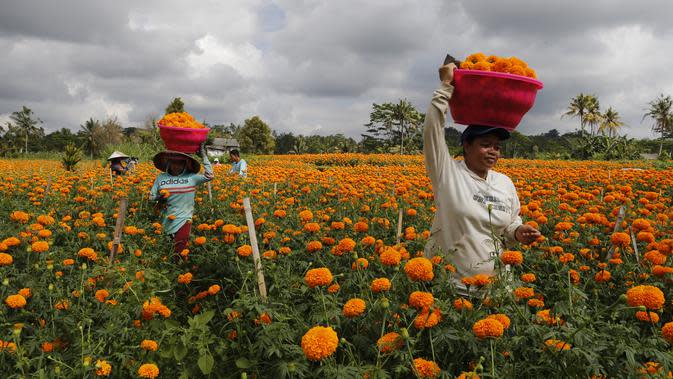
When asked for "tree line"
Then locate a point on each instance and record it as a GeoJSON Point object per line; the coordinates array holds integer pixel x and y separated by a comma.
{"type": "Point", "coordinates": [392, 128]}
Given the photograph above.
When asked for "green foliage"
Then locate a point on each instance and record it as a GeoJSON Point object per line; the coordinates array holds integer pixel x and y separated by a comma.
{"type": "Point", "coordinates": [71, 156]}
{"type": "Point", "coordinates": [288, 143]}
{"type": "Point", "coordinates": [394, 128]}
{"type": "Point", "coordinates": [176, 106]}
{"type": "Point", "coordinates": [25, 124]}
{"type": "Point", "coordinates": [255, 137]}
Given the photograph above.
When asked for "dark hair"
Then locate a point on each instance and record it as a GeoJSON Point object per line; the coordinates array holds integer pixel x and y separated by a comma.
{"type": "Point", "coordinates": [234, 152]}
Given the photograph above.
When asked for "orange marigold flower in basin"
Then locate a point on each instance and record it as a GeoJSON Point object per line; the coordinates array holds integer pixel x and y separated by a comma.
{"type": "Point", "coordinates": [390, 342]}
{"type": "Point", "coordinates": [426, 369]}
{"type": "Point", "coordinates": [354, 308]}
{"type": "Point", "coordinates": [488, 328]}
{"type": "Point", "coordinates": [319, 343]}
{"type": "Point", "coordinates": [318, 277]}
{"type": "Point", "coordinates": [419, 269]}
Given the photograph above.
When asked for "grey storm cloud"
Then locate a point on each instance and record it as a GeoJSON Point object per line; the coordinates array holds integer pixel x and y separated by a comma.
{"type": "Point", "coordinates": [312, 66]}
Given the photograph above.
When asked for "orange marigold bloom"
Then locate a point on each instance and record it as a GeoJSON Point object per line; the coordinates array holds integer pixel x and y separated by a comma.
{"type": "Point", "coordinates": [659, 270]}
{"type": "Point", "coordinates": [574, 276]}
{"type": "Point", "coordinates": [319, 342]}
{"type": "Point", "coordinates": [567, 257]}
{"type": "Point", "coordinates": [502, 318]}
{"type": "Point", "coordinates": [511, 257]}
{"type": "Point", "coordinates": [101, 295]}
{"type": "Point", "coordinates": [264, 318]}
{"type": "Point", "coordinates": [11, 241]}
{"type": "Point", "coordinates": [15, 301]}
{"type": "Point", "coordinates": [460, 304]}
{"type": "Point", "coordinates": [419, 269]}
{"type": "Point", "coordinates": [557, 345]}
{"type": "Point", "coordinates": [488, 328]}
{"type": "Point", "coordinates": [346, 245]}
{"type": "Point", "coordinates": [25, 292]}
{"type": "Point", "coordinates": [313, 246]}
{"type": "Point", "coordinates": [185, 278]}
{"type": "Point", "coordinates": [318, 277]}
{"type": "Point", "coordinates": [390, 342]}
{"type": "Point", "coordinates": [524, 292]}
{"type": "Point", "coordinates": [39, 246]}
{"type": "Point", "coordinates": [380, 285]}
{"type": "Point", "coordinates": [620, 239]}
{"type": "Point", "coordinates": [649, 296]}
{"type": "Point", "coordinates": [421, 300]}
{"type": "Point", "coordinates": [354, 308]}
{"type": "Point", "coordinates": [535, 303]}
{"type": "Point", "coordinates": [88, 253]}
{"type": "Point", "coordinates": [368, 241]}
{"type": "Point", "coordinates": [649, 317]}
{"type": "Point", "coordinates": [200, 241]}
{"type": "Point", "coordinates": [360, 264]}
{"type": "Point", "coordinates": [361, 227]}
{"type": "Point", "coordinates": [655, 257]}
{"type": "Point", "coordinates": [528, 278]}
{"type": "Point", "coordinates": [334, 288]}
{"type": "Point", "coordinates": [545, 317]}
{"type": "Point", "coordinates": [426, 369]}
{"type": "Point", "coordinates": [427, 319]}
{"type": "Point", "coordinates": [244, 250]}
{"type": "Point", "coordinates": [645, 237]}
{"type": "Point", "coordinates": [6, 259]}
{"type": "Point", "coordinates": [149, 345]}
{"type": "Point", "coordinates": [667, 332]}
{"type": "Point", "coordinates": [312, 227]}
{"type": "Point", "coordinates": [148, 370]}
{"type": "Point", "coordinates": [103, 368]}
{"type": "Point", "coordinates": [306, 215]}
{"type": "Point", "coordinates": [214, 289]}
{"type": "Point", "coordinates": [390, 257]}
{"type": "Point", "coordinates": [603, 276]}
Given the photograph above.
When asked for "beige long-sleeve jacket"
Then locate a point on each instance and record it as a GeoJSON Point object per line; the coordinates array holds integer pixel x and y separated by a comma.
{"type": "Point", "coordinates": [462, 228]}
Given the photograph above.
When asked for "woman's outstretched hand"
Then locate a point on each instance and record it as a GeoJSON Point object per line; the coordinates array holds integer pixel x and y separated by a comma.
{"type": "Point", "coordinates": [526, 234]}
{"type": "Point", "coordinates": [446, 73]}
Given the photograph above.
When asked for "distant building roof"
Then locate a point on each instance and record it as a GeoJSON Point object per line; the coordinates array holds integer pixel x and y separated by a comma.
{"type": "Point", "coordinates": [225, 142]}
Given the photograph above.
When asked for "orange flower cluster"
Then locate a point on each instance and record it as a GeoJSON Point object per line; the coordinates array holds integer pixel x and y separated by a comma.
{"type": "Point", "coordinates": [426, 369]}
{"type": "Point", "coordinates": [354, 308]}
{"type": "Point", "coordinates": [319, 343]}
{"type": "Point", "coordinates": [511, 65]}
{"type": "Point", "coordinates": [148, 370]}
{"type": "Point", "coordinates": [488, 328]}
{"type": "Point", "coordinates": [154, 306]}
{"type": "Point", "coordinates": [390, 342]}
{"type": "Point", "coordinates": [421, 300]}
{"type": "Point", "coordinates": [650, 297]}
{"type": "Point", "coordinates": [380, 285]}
{"type": "Point", "coordinates": [180, 120]}
{"type": "Point", "coordinates": [557, 345]}
{"type": "Point", "coordinates": [149, 345]}
{"type": "Point", "coordinates": [419, 270]}
{"type": "Point", "coordinates": [318, 277]}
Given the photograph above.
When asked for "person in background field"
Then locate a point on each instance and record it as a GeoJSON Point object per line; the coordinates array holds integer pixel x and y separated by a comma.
{"type": "Point", "coordinates": [176, 186]}
{"type": "Point", "coordinates": [471, 199]}
{"type": "Point", "coordinates": [238, 165]}
{"type": "Point", "coordinates": [118, 163]}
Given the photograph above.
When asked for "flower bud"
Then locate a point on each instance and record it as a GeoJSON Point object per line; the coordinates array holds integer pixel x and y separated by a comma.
{"type": "Point", "coordinates": [385, 303]}
{"type": "Point", "coordinates": [51, 287]}
{"type": "Point", "coordinates": [5, 282]}
{"type": "Point", "coordinates": [405, 333]}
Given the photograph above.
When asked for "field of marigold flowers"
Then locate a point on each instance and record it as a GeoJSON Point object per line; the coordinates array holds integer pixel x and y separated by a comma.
{"type": "Point", "coordinates": [344, 299]}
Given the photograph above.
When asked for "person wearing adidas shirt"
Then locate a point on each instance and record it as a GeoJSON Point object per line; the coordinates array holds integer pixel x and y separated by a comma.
{"type": "Point", "coordinates": [176, 186]}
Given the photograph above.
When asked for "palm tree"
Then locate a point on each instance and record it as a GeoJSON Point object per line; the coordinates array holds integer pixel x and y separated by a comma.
{"type": "Point", "coordinates": [593, 114]}
{"type": "Point", "coordinates": [91, 133]}
{"type": "Point", "coordinates": [395, 121]}
{"type": "Point", "coordinates": [578, 108]}
{"type": "Point", "coordinates": [610, 122]}
{"type": "Point", "coordinates": [661, 111]}
{"type": "Point", "coordinates": [24, 121]}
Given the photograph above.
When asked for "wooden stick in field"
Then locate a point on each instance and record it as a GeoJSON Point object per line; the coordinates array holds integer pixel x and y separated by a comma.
{"type": "Point", "coordinates": [119, 227]}
{"type": "Point", "coordinates": [400, 214]}
{"type": "Point", "coordinates": [210, 192]}
{"type": "Point", "coordinates": [48, 187]}
{"type": "Point", "coordinates": [618, 227]}
{"type": "Point", "coordinates": [635, 245]}
{"type": "Point", "coordinates": [261, 284]}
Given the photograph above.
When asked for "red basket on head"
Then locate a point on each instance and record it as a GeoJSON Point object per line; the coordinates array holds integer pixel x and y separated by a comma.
{"type": "Point", "coordinates": [184, 140]}
{"type": "Point", "coordinates": [492, 98]}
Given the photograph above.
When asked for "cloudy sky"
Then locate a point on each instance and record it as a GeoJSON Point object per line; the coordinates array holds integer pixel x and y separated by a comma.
{"type": "Point", "coordinates": [315, 67]}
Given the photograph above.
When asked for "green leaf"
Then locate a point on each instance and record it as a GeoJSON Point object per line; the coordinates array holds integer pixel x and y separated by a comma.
{"type": "Point", "coordinates": [206, 317]}
{"type": "Point", "coordinates": [179, 351]}
{"type": "Point", "coordinates": [206, 363]}
{"type": "Point", "coordinates": [243, 363]}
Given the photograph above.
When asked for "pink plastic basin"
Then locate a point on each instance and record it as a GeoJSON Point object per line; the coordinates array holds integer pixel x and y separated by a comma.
{"type": "Point", "coordinates": [185, 140]}
{"type": "Point", "coordinates": [492, 98]}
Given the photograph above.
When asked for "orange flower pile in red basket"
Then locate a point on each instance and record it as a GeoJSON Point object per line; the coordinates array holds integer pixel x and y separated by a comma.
{"type": "Point", "coordinates": [511, 65]}
{"type": "Point", "coordinates": [180, 120]}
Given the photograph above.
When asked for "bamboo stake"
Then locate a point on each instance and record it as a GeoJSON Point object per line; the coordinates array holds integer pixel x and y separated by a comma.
{"type": "Point", "coordinates": [119, 227]}
{"type": "Point", "coordinates": [48, 187]}
{"type": "Point", "coordinates": [210, 192]}
{"type": "Point", "coordinates": [618, 227]}
{"type": "Point", "coordinates": [635, 245]}
{"type": "Point", "coordinates": [261, 284]}
{"type": "Point", "coordinates": [400, 215]}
